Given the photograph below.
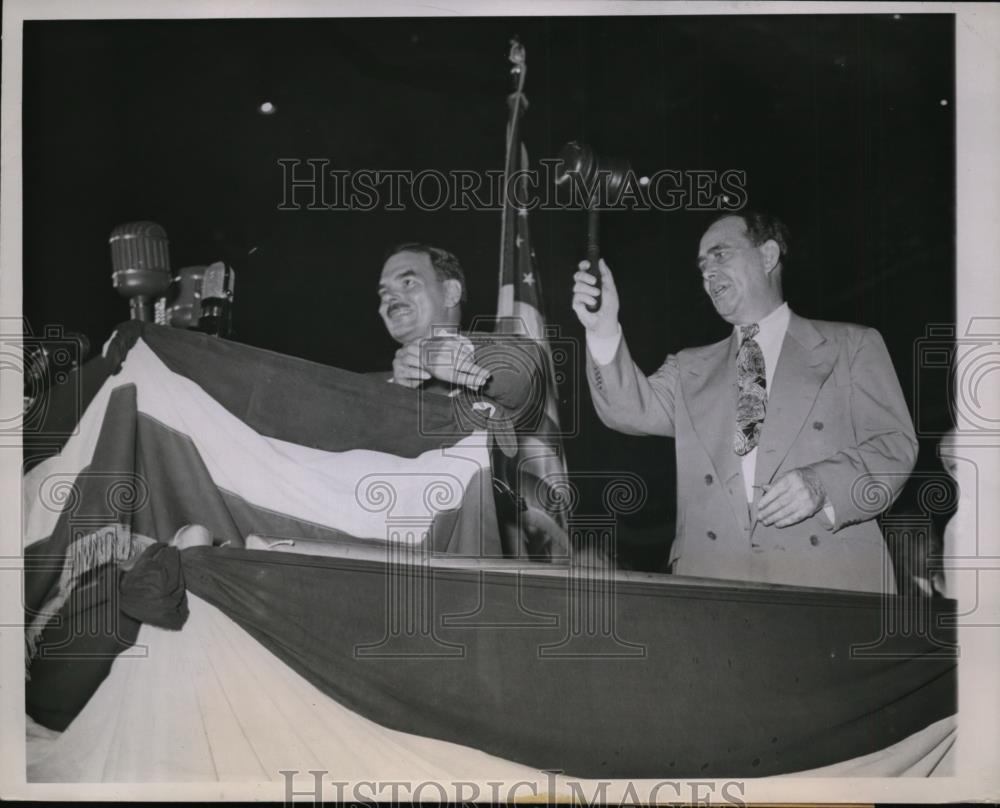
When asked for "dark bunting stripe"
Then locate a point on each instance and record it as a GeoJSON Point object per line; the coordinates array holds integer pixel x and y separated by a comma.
{"type": "Point", "coordinates": [100, 494]}
{"type": "Point", "coordinates": [732, 682]}
{"type": "Point", "coordinates": [278, 396]}
{"type": "Point", "coordinates": [307, 403]}
{"type": "Point", "coordinates": [77, 650]}
{"type": "Point", "coordinates": [183, 492]}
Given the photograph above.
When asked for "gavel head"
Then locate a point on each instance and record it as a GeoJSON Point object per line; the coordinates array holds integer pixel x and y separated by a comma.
{"type": "Point", "coordinates": [579, 159]}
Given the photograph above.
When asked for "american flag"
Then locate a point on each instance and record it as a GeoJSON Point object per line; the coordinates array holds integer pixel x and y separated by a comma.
{"type": "Point", "coordinates": [520, 310]}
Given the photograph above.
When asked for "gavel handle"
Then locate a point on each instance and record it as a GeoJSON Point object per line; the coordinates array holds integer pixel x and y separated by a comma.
{"type": "Point", "coordinates": [594, 254]}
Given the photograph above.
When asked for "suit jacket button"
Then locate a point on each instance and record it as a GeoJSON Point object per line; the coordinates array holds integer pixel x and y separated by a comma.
{"type": "Point", "coordinates": [818, 426]}
{"type": "Point", "coordinates": [711, 535]}
{"type": "Point", "coordinates": [814, 540]}
{"type": "Point", "coordinates": [708, 479]}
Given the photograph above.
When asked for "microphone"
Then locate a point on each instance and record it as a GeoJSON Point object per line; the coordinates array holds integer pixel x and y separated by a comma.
{"type": "Point", "coordinates": [183, 307]}
{"type": "Point", "coordinates": [216, 300]}
{"type": "Point", "coordinates": [141, 265]}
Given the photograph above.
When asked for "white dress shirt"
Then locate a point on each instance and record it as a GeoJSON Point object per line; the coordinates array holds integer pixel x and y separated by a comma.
{"type": "Point", "coordinates": [770, 338]}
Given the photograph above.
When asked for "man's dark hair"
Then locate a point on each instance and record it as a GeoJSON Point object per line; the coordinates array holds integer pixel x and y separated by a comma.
{"type": "Point", "coordinates": [762, 227]}
{"type": "Point", "coordinates": [445, 264]}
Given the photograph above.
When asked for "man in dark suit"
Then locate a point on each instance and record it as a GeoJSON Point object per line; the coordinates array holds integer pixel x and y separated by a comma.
{"type": "Point", "coordinates": [792, 435]}
{"type": "Point", "coordinates": [421, 291]}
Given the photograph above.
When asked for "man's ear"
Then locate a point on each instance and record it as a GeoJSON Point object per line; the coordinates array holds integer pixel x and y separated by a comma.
{"type": "Point", "coordinates": [772, 254]}
{"type": "Point", "coordinates": [452, 292]}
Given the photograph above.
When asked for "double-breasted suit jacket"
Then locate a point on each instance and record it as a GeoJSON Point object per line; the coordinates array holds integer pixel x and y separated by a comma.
{"type": "Point", "coordinates": [834, 405]}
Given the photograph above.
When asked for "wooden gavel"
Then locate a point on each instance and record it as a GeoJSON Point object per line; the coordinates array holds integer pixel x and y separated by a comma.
{"type": "Point", "coordinates": [598, 178]}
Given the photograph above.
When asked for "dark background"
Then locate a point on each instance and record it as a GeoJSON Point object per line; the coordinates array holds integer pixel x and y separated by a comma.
{"type": "Point", "coordinates": [844, 126]}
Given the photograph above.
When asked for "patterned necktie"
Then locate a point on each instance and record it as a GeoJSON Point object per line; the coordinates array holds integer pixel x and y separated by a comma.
{"type": "Point", "coordinates": [751, 405]}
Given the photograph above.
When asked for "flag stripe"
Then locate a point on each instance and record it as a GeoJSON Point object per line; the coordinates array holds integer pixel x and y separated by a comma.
{"type": "Point", "coordinates": [517, 664]}
{"type": "Point", "coordinates": [534, 686]}
{"type": "Point", "coordinates": [256, 387]}
{"type": "Point", "coordinates": [154, 452]}
{"type": "Point", "coordinates": [252, 716]}
{"type": "Point", "coordinates": [331, 489]}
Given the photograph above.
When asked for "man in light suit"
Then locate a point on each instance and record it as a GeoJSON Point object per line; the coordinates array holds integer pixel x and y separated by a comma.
{"type": "Point", "coordinates": [792, 435]}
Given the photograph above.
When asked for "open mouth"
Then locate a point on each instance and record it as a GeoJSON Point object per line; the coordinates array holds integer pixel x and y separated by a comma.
{"type": "Point", "coordinates": [398, 310]}
{"type": "Point", "coordinates": [719, 290]}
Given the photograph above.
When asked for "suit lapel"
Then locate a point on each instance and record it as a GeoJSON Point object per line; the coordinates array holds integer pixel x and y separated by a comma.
{"type": "Point", "coordinates": [805, 362]}
{"type": "Point", "coordinates": [709, 387]}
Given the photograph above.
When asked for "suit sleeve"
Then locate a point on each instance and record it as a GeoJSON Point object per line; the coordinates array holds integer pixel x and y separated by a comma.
{"type": "Point", "coordinates": [863, 480]}
{"type": "Point", "coordinates": [629, 401]}
{"type": "Point", "coordinates": [517, 379]}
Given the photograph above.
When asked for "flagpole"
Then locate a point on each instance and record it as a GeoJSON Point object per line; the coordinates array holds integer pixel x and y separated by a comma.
{"type": "Point", "coordinates": [540, 463]}
{"type": "Point", "coordinates": [517, 102]}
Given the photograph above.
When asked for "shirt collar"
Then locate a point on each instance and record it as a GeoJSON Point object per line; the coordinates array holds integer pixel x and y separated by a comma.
{"type": "Point", "coordinates": [775, 322]}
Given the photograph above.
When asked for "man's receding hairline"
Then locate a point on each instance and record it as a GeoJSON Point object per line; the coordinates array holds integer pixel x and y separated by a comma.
{"type": "Point", "coordinates": [756, 223]}
{"type": "Point", "coordinates": [717, 243]}
{"type": "Point", "coordinates": [389, 257]}
{"type": "Point", "coordinates": [444, 264]}
{"type": "Point", "coordinates": [742, 220]}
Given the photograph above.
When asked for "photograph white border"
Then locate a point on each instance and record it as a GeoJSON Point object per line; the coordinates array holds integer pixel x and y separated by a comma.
{"type": "Point", "coordinates": [977, 109]}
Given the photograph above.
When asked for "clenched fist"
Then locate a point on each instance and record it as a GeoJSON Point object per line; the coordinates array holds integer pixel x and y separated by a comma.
{"type": "Point", "coordinates": [406, 367]}
{"type": "Point", "coordinates": [448, 358]}
{"type": "Point", "coordinates": [604, 321]}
